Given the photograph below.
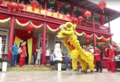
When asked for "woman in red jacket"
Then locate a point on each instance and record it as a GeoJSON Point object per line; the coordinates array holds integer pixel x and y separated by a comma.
{"type": "Point", "coordinates": [111, 52]}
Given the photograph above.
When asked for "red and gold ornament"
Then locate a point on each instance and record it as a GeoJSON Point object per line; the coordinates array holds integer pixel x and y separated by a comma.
{"type": "Point", "coordinates": [29, 28]}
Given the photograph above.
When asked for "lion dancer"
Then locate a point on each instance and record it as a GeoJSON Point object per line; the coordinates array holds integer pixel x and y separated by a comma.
{"type": "Point", "coordinates": [111, 52]}
{"type": "Point", "coordinates": [23, 54]}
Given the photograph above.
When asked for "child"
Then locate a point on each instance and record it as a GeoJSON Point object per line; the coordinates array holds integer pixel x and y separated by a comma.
{"type": "Point", "coordinates": [66, 59]}
{"type": "Point", "coordinates": [52, 60]}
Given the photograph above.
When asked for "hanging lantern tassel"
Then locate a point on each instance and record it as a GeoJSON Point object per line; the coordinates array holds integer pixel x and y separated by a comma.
{"type": "Point", "coordinates": [80, 22]}
{"type": "Point", "coordinates": [102, 10]}
{"type": "Point", "coordinates": [29, 32]}
{"type": "Point", "coordinates": [87, 18]}
{"type": "Point", "coordinates": [29, 0]}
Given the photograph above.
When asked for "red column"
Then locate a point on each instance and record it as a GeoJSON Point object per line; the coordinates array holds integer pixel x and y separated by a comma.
{"type": "Point", "coordinates": [72, 11]}
{"type": "Point", "coordinates": [110, 32]}
{"type": "Point", "coordinates": [94, 41]}
{"type": "Point", "coordinates": [45, 7]}
{"type": "Point", "coordinates": [11, 36]}
{"type": "Point", "coordinates": [44, 44]}
{"type": "Point", "coordinates": [94, 36]}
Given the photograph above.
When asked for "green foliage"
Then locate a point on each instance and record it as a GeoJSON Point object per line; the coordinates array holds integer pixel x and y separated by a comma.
{"type": "Point", "coordinates": [4, 60]}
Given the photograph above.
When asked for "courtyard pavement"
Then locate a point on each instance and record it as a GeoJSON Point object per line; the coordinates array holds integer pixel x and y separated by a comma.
{"type": "Point", "coordinates": [54, 76]}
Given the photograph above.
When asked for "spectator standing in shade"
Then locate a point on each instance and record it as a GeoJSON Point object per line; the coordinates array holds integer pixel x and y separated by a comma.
{"type": "Point", "coordinates": [52, 60]}
{"type": "Point", "coordinates": [66, 60]}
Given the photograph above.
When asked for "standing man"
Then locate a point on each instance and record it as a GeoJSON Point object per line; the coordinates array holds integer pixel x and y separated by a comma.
{"type": "Point", "coordinates": [14, 50]}
{"type": "Point", "coordinates": [98, 60]}
{"type": "Point", "coordinates": [111, 52]}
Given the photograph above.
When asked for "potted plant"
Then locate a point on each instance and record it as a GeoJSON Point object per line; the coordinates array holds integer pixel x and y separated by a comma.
{"type": "Point", "coordinates": [4, 61]}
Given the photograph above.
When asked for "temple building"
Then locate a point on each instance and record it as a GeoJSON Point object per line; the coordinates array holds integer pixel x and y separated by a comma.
{"type": "Point", "coordinates": [38, 23]}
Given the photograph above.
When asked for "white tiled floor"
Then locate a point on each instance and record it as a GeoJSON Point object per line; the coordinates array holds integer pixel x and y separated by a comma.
{"type": "Point", "coordinates": [54, 76]}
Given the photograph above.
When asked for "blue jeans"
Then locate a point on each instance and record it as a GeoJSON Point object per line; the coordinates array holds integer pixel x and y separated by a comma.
{"type": "Point", "coordinates": [14, 58]}
{"type": "Point", "coordinates": [67, 65]}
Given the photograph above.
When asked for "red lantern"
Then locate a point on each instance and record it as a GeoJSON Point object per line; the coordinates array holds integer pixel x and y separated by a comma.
{"type": "Point", "coordinates": [87, 14]}
{"type": "Point", "coordinates": [101, 23]}
{"type": "Point", "coordinates": [87, 37]}
{"type": "Point", "coordinates": [20, 7]}
{"type": "Point", "coordinates": [59, 5]}
{"type": "Point", "coordinates": [81, 12]}
{"type": "Point", "coordinates": [74, 20]}
{"type": "Point", "coordinates": [102, 5]}
{"type": "Point", "coordinates": [102, 19]}
{"type": "Point", "coordinates": [1, 1]}
{"type": "Point", "coordinates": [34, 4]}
{"type": "Point", "coordinates": [9, 5]}
{"type": "Point", "coordinates": [80, 19]}
{"type": "Point", "coordinates": [14, 7]}
{"type": "Point", "coordinates": [29, 28]}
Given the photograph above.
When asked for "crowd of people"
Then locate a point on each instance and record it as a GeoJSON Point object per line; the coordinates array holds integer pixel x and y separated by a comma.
{"type": "Point", "coordinates": [109, 52]}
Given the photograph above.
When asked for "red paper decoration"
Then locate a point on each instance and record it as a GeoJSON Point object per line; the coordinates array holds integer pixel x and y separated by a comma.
{"type": "Point", "coordinates": [101, 19]}
{"type": "Point", "coordinates": [34, 4]}
{"type": "Point", "coordinates": [29, 28]}
{"type": "Point", "coordinates": [81, 12]}
{"type": "Point", "coordinates": [103, 40]}
{"type": "Point", "coordinates": [20, 7]}
{"type": "Point", "coordinates": [87, 14]}
{"type": "Point", "coordinates": [88, 37]}
{"type": "Point", "coordinates": [102, 5]}
{"type": "Point", "coordinates": [1, 1]}
{"type": "Point", "coordinates": [14, 7]}
{"type": "Point", "coordinates": [10, 6]}
{"type": "Point", "coordinates": [59, 5]}
{"type": "Point", "coordinates": [80, 19]}
{"type": "Point", "coordinates": [74, 20]}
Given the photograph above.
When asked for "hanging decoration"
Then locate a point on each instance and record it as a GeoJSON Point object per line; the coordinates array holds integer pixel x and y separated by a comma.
{"type": "Point", "coordinates": [88, 14]}
{"type": "Point", "coordinates": [51, 1]}
{"type": "Point", "coordinates": [14, 7]}
{"type": "Point", "coordinates": [115, 46]}
{"type": "Point", "coordinates": [29, 28]}
{"type": "Point", "coordinates": [102, 41]}
{"type": "Point", "coordinates": [101, 23]}
{"type": "Point", "coordinates": [10, 6]}
{"type": "Point", "coordinates": [79, 33]}
{"type": "Point", "coordinates": [102, 19]}
{"type": "Point", "coordinates": [35, 4]}
{"type": "Point", "coordinates": [53, 27]}
{"type": "Point", "coordinates": [74, 20]}
{"type": "Point", "coordinates": [20, 6]}
{"type": "Point", "coordinates": [59, 5]}
{"type": "Point", "coordinates": [80, 19]}
{"type": "Point", "coordinates": [88, 44]}
{"type": "Point", "coordinates": [23, 23]}
{"type": "Point", "coordinates": [88, 37]}
{"type": "Point", "coordinates": [4, 19]}
{"type": "Point", "coordinates": [81, 12]}
{"type": "Point", "coordinates": [102, 5]}
{"type": "Point", "coordinates": [1, 1]}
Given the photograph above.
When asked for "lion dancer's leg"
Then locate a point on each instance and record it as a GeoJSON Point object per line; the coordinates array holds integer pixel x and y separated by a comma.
{"type": "Point", "coordinates": [74, 55]}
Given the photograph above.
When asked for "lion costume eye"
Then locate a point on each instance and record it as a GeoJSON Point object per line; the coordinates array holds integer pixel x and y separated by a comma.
{"type": "Point", "coordinates": [69, 26]}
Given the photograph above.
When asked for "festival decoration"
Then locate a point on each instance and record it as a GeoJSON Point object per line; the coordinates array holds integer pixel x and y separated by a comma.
{"type": "Point", "coordinates": [102, 41]}
{"type": "Point", "coordinates": [102, 5]}
{"type": "Point", "coordinates": [4, 19]}
{"type": "Point", "coordinates": [9, 5]}
{"type": "Point", "coordinates": [80, 19]}
{"type": "Point", "coordinates": [88, 37]}
{"type": "Point", "coordinates": [102, 19]}
{"type": "Point", "coordinates": [51, 1]}
{"type": "Point", "coordinates": [20, 6]}
{"type": "Point", "coordinates": [59, 5]}
{"type": "Point", "coordinates": [14, 7]}
{"type": "Point", "coordinates": [29, 28]}
{"type": "Point", "coordinates": [81, 12]}
{"type": "Point", "coordinates": [1, 1]}
{"type": "Point", "coordinates": [101, 23]}
{"type": "Point", "coordinates": [53, 27]}
{"type": "Point", "coordinates": [74, 20]}
{"type": "Point", "coordinates": [115, 46]}
{"type": "Point", "coordinates": [35, 4]}
{"type": "Point", "coordinates": [88, 14]}
{"type": "Point", "coordinates": [35, 24]}
{"type": "Point", "coordinates": [88, 44]}
{"type": "Point", "coordinates": [86, 59]}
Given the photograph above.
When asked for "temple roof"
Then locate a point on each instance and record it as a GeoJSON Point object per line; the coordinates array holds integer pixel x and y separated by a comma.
{"type": "Point", "coordinates": [88, 5]}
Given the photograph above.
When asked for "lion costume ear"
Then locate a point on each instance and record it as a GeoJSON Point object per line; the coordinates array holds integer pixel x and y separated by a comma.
{"type": "Point", "coordinates": [74, 26]}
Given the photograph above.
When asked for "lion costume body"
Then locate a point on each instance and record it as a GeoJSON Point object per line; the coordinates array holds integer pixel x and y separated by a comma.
{"type": "Point", "coordinates": [67, 34]}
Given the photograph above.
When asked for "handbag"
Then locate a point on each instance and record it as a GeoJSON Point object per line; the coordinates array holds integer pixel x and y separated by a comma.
{"type": "Point", "coordinates": [19, 50]}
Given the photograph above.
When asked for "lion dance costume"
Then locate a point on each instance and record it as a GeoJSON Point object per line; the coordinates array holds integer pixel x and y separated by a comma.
{"type": "Point", "coordinates": [67, 34]}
